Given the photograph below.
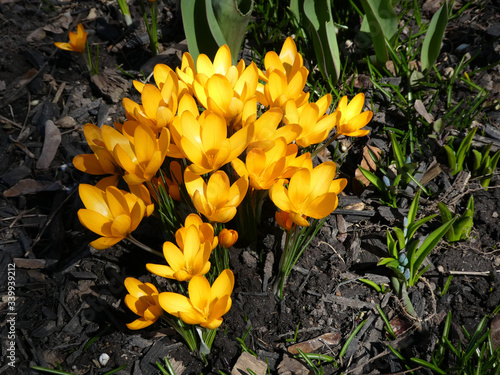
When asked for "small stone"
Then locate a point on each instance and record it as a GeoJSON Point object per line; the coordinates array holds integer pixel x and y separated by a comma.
{"type": "Point", "coordinates": [103, 359]}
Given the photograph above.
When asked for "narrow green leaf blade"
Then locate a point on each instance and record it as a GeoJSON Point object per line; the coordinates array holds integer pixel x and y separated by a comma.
{"type": "Point", "coordinates": [433, 38]}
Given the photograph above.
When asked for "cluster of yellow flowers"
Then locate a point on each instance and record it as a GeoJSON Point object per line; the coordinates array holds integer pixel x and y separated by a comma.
{"type": "Point", "coordinates": [209, 116]}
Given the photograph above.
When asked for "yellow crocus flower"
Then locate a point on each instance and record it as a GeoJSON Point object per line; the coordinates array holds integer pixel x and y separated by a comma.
{"type": "Point", "coordinates": [286, 77]}
{"type": "Point", "coordinates": [206, 304]}
{"type": "Point", "coordinates": [138, 150]}
{"type": "Point", "coordinates": [102, 160]}
{"type": "Point", "coordinates": [204, 140]}
{"type": "Point", "coordinates": [314, 123]}
{"type": "Point", "coordinates": [143, 301]}
{"type": "Point", "coordinates": [158, 107]}
{"type": "Point", "coordinates": [112, 214]}
{"type": "Point", "coordinates": [311, 192]}
{"type": "Point", "coordinates": [77, 40]}
{"type": "Point", "coordinates": [351, 118]}
{"type": "Point", "coordinates": [188, 259]}
{"type": "Point", "coordinates": [217, 200]}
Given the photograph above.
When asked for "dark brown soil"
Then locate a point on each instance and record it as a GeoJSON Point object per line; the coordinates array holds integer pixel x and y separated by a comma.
{"type": "Point", "coordinates": [67, 294]}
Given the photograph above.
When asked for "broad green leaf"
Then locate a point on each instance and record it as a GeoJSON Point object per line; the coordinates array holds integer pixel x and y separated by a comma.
{"type": "Point", "coordinates": [197, 29]}
{"type": "Point", "coordinates": [383, 25]}
{"type": "Point", "coordinates": [433, 38]}
{"type": "Point", "coordinates": [209, 24]}
{"type": "Point", "coordinates": [228, 20]}
{"type": "Point", "coordinates": [319, 14]}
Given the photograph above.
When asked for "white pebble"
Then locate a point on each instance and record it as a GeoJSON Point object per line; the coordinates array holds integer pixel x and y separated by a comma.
{"type": "Point", "coordinates": [103, 359]}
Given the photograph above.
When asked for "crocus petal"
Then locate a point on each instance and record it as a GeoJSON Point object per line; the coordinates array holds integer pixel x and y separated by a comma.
{"type": "Point", "coordinates": [139, 324]}
{"type": "Point", "coordinates": [174, 303]}
{"type": "Point", "coordinates": [199, 292]}
{"type": "Point", "coordinates": [105, 242]}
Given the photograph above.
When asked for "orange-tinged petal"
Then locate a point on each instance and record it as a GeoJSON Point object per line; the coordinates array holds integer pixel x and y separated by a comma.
{"type": "Point", "coordinates": [222, 60]}
{"type": "Point", "coordinates": [218, 188]}
{"type": "Point", "coordinates": [94, 221]}
{"type": "Point", "coordinates": [299, 187]}
{"type": "Point", "coordinates": [213, 132]}
{"type": "Point", "coordinates": [212, 324]}
{"type": "Point", "coordinates": [121, 226]}
{"type": "Point", "coordinates": [338, 185]}
{"type": "Point", "coordinates": [191, 246]}
{"type": "Point", "coordinates": [219, 89]}
{"type": "Point", "coordinates": [174, 303]}
{"type": "Point", "coordinates": [204, 65]}
{"type": "Point", "coordinates": [199, 292]}
{"type": "Point", "coordinates": [93, 199]}
{"type": "Point", "coordinates": [223, 285]}
{"type": "Point", "coordinates": [64, 46]}
{"type": "Point", "coordinates": [117, 202]}
{"type": "Point", "coordinates": [138, 289]}
{"type": "Point", "coordinates": [161, 270]}
{"type": "Point", "coordinates": [279, 196]}
{"type": "Point", "coordinates": [88, 163]}
{"type": "Point", "coordinates": [151, 99]}
{"type": "Point", "coordinates": [322, 206]}
{"type": "Point", "coordinates": [174, 256]}
{"type": "Point", "coordinates": [139, 324]}
{"type": "Point", "coordinates": [153, 312]}
{"type": "Point", "coordinates": [105, 242]}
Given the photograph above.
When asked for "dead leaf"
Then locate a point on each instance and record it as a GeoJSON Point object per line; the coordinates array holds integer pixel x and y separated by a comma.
{"type": "Point", "coordinates": [66, 122]}
{"type": "Point", "coordinates": [36, 35]}
{"type": "Point", "coordinates": [50, 145]}
{"type": "Point", "coordinates": [31, 186]}
{"type": "Point", "coordinates": [420, 108]}
{"type": "Point", "coordinates": [367, 163]}
{"type": "Point", "coordinates": [309, 346]}
{"type": "Point", "coordinates": [246, 362]}
{"type": "Point", "coordinates": [60, 25]}
{"type": "Point", "coordinates": [495, 331]}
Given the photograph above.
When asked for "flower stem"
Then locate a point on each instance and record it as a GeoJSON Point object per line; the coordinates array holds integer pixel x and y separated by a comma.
{"type": "Point", "coordinates": [142, 246]}
{"type": "Point", "coordinates": [323, 146]}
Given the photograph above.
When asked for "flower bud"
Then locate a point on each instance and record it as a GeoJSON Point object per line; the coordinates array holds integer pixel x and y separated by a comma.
{"type": "Point", "coordinates": [228, 237]}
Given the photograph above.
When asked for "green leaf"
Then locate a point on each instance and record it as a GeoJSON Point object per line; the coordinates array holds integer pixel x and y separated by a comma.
{"type": "Point", "coordinates": [319, 14]}
{"type": "Point", "coordinates": [433, 38]}
{"type": "Point", "coordinates": [430, 242]}
{"type": "Point", "coordinates": [377, 182]}
{"type": "Point", "coordinates": [429, 365]}
{"type": "Point", "coordinates": [414, 227]}
{"type": "Point", "coordinates": [463, 150]}
{"type": "Point", "coordinates": [412, 213]}
{"type": "Point", "coordinates": [389, 262]}
{"type": "Point", "coordinates": [478, 157]}
{"type": "Point", "coordinates": [383, 25]}
{"type": "Point", "coordinates": [197, 29]}
{"type": "Point", "coordinates": [228, 20]}
{"type": "Point", "coordinates": [445, 212]}
{"type": "Point", "coordinates": [209, 24]}
{"type": "Point", "coordinates": [398, 154]}
{"type": "Point", "coordinates": [452, 158]}
{"type": "Point", "coordinates": [401, 237]}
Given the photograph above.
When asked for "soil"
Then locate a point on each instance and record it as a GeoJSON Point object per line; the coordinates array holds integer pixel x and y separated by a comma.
{"type": "Point", "coordinates": [69, 297]}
